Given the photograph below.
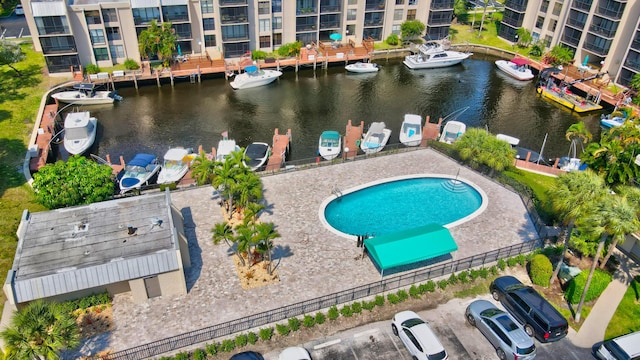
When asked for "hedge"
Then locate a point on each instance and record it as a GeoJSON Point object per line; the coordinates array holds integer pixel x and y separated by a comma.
{"type": "Point", "coordinates": [540, 270]}
{"type": "Point", "coordinates": [599, 282]}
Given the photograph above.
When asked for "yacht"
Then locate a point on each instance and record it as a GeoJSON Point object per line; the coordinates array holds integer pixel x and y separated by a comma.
{"type": "Point", "coordinates": [254, 77]}
{"type": "Point", "coordinates": [86, 94]}
{"type": "Point", "coordinates": [517, 68]}
{"type": "Point", "coordinates": [433, 55]}
{"type": "Point", "coordinates": [79, 132]}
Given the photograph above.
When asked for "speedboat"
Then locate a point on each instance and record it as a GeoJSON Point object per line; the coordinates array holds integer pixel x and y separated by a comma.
{"type": "Point", "coordinates": [433, 55]}
{"type": "Point", "coordinates": [411, 130]}
{"type": "Point", "coordinates": [254, 77]}
{"type": "Point", "coordinates": [452, 131]}
{"type": "Point", "coordinates": [609, 121]}
{"type": "Point", "coordinates": [176, 164]}
{"type": "Point", "coordinates": [138, 172]}
{"type": "Point", "coordinates": [329, 144]}
{"type": "Point", "coordinates": [362, 67]}
{"type": "Point", "coordinates": [376, 138]}
{"type": "Point", "coordinates": [517, 68]}
{"type": "Point", "coordinates": [79, 132]}
{"type": "Point", "coordinates": [86, 94]}
{"type": "Point", "coordinates": [513, 141]}
{"type": "Point", "coordinates": [225, 148]}
{"type": "Point", "coordinates": [256, 155]}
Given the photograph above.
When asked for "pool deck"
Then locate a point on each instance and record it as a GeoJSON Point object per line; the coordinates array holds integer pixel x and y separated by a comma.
{"type": "Point", "coordinates": [312, 261]}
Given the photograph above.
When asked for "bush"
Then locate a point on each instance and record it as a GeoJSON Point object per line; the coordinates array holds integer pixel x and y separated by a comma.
{"type": "Point", "coordinates": [453, 279]}
{"type": "Point", "coordinates": [241, 340]}
{"type": "Point", "coordinates": [252, 338]}
{"type": "Point", "coordinates": [320, 318]}
{"type": "Point", "coordinates": [227, 345]}
{"type": "Point", "coordinates": [346, 311]}
{"type": "Point", "coordinates": [494, 270]}
{"type": "Point", "coordinates": [294, 324]}
{"type": "Point", "coordinates": [540, 270]}
{"type": "Point", "coordinates": [474, 274]}
{"type": "Point", "coordinates": [511, 262]}
{"type": "Point", "coordinates": [91, 69]}
{"type": "Point", "coordinates": [463, 277]}
{"type": "Point", "coordinates": [283, 329]}
{"type": "Point", "coordinates": [393, 39]}
{"type": "Point", "coordinates": [379, 300]}
{"type": "Point", "coordinates": [402, 295]}
{"type": "Point", "coordinates": [502, 264]}
{"type": "Point", "coordinates": [393, 298]}
{"type": "Point", "coordinates": [599, 282]}
{"type": "Point", "coordinates": [429, 286]}
{"type": "Point", "coordinates": [333, 313]}
{"type": "Point", "coordinates": [484, 272]}
{"type": "Point", "coordinates": [414, 292]}
{"type": "Point", "coordinates": [212, 349]}
{"type": "Point", "coordinates": [258, 55]}
{"type": "Point", "coordinates": [442, 284]}
{"type": "Point", "coordinates": [181, 356]}
{"type": "Point", "coordinates": [369, 305]}
{"type": "Point", "coordinates": [266, 334]}
{"type": "Point", "coordinates": [308, 321]}
{"type": "Point", "coordinates": [131, 64]}
{"type": "Point", "coordinates": [199, 354]}
{"type": "Point", "coordinates": [356, 307]}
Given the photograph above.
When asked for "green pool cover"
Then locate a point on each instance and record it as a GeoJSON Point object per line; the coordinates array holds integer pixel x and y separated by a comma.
{"type": "Point", "coordinates": [410, 246]}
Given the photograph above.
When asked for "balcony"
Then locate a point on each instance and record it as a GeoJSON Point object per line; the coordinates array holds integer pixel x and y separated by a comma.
{"type": "Point", "coordinates": [239, 19]}
{"type": "Point", "coordinates": [441, 5]}
{"type": "Point", "coordinates": [514, 20]}
{"type": "Point", "coordinates": [570, 40]}
{"type": "Point", "coordinates": [374, 5]}
{"type": "Point", "coordinates": [176, 17]}
{"type": "Point", "coordinates": [437, 20]}
{"type": "Point", "coordinates": [306, 27]}
{"type": "Point", "coordinates": [51, 50]}
{"type": "Point", "coordinates": [184, 35]}
{"type": "Point", "coordinates": [601, 31]}
{"type": "Point", "coordinates": [307, 11]}
{"type": "Point", "coordinates": [232, 2]}
{"type": "Point", "coordinates": [597, 49]}
{"type": "Point", "coordinates": [633, 64]}
{"type": "Point", "coordinates": [635, 44]}
{"type": "Point", "coordinates": [329, 8]}
{"type": "Point", "coordinates": [581, 5]}
{"type": "Point", "coordinates": [516, 5]}
{"type": "Point", "coordinates": [53, 30]}
{"type": "Point", "coordinates": [144, 21]}
{"type": "Point", "coordinates": [613, 14]}
{"type": "Point", "coordinates": [373, 22]}
{"type": "Point", "coordinates": [576, 23]}
{"type": "Point", "coordinates": [329, 25]}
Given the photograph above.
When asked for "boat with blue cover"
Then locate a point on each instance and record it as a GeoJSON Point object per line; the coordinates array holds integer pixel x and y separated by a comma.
{"type": "Point", "coordinates": [254, 77]}
{"type": "Point", "coordinates": [138, 172]}
{"type": "Point", "coordinates": [329, 144]}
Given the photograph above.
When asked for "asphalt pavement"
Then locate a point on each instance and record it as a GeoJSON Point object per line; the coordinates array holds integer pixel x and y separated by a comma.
{"type": "Point", "coordinates": [14, 26]}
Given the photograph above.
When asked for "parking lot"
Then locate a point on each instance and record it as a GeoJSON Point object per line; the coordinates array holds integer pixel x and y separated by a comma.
{"type": "Point", "coordinates": [14, 26]}
{"type": "Point", "coordinates": [461, 340]}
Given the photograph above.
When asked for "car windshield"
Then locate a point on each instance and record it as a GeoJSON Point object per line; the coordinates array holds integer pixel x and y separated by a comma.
{"type": "Point", "coordinates": [525, 351]}
{"type": "Point", "coordinates": [412, 322]}
{"type": "Point", "coordinates": [615, 350]}
{"type": "Point", "coordinates": [439, 356]}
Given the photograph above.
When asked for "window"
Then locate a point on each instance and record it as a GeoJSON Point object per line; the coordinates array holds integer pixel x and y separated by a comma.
{"type": "Point", "coordinates": [145, 15]}
{"type": "Point", "coordinates": [109, 15]}
{"type": "Point", "coordinates": [53, 44]}
{"type": "Point", "coordinates": [413, 339]}
{"type": "Point", "coordinates": [206, 6]}
{"type": "Point", "coordinates": [265, 41]}
{"type": "Point", "coordinates": [396, 29]}
{"type": "Point", "coordinates": [351, 29]}
{"type": "Point", "coordinates": [276, 22]}
{"type": "Point", "coordinates": [544, 6]}
{"type": "Point", "coordinates": [557, 7]}
{"type": "Point", "coordinates": [413, 2]}
{"type": "Point", "coordinates": [539, 22]}
{"type": "Point", "coordinates": [547, 40]}
{"type": "Point", "coordinates": [113, 33]}
{"type": "Point", "coordinates": [208, 24]}
{"type": "Point", "coordinates": [235, 32]}
{"type": "Point", "coordinates": [411, 14]}
{"type": "Point", "coordinates": [175, 13]}
{"type": "Point", "coordinates": [552, 25]}
{"type": "Point", "coordinates": [539, 321]}
{"type": "Point", "coordinates": [182, 31]}
{"type": "Point", "coordinates": [97, 36]}
{"type": "Point", "coordinates": [263, 7]}
{"type": "Point", "coordinates": [101, 54]}
{"type": "Point", "coordinates": [276, 6]}
{"type": "Point", "coordinates": [209, 40]}
{"type": "Point", "coordinates": [264, 25]}
{"type": "Point", "coordinates": [516, 299]}
{"type": "Point", "coordinates": [93, 17]}
{"type": "Point", "coordinates": [397, 14]}
{"type": "Point", "coordinates": [277, 39]}
{"type": "Point", "coordinates": [351, 14]}
{"type": "Point", "coordinates": [49, 25]}
{"type": "Point", "coordinates": [399, 2]}
{"type": "Point", "coordinates": [117, 51]}
{"type": "Point", "coordinates": [353, 2]}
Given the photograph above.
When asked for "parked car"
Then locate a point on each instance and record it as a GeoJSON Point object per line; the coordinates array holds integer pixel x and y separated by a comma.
{"type": "Point", "coordinates": [534, 312]}
{"type": "Point", "coordinates": [621, 348]}
{"type": "Point", "coordinates": [503, 332]}
{"type": "Point", "coordinates": [417, 336]}
{"type": "Point", "coordinates": [247, 355]}
{"type": "Point", "coordinates": [294, 353]}
{"type": "Point", "coordinates": [19, 10]}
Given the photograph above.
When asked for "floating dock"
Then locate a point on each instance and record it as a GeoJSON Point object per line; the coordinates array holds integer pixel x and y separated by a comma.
{"type": "Point", "coordinates": [352, 138]}
{"type": "Point", "coordinates": [40, 150]}
{"type": "Point", "coordinates": [430, 131]}
{"type": "Point", "coordinates": [279, 150]}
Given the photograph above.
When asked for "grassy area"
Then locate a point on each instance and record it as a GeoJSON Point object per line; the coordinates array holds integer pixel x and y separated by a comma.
{"type": "Point", "coordinates": [539, 185]}
{"type": "Point", "coordinates": [625, 319]}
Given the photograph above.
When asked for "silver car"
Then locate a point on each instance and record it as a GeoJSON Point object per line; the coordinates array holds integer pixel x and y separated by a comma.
{"type": "Point", "coordinates": [505, 334]}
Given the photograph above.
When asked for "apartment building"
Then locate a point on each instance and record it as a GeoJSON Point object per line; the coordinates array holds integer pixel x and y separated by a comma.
{"type": "Point", "coordinates": [81, 32]}
{"type": "Point", "coordinates": [604, 34]}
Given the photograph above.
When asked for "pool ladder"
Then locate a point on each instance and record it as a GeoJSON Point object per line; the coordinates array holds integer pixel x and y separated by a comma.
{"type": "Point", "coordinates": [336, 191]}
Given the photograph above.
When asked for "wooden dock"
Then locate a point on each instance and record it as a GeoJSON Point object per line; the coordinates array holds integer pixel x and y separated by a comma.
{"type": "Point", "coordinates": [279, 150]}
{"type": "Point", "coordinates": [40, 151]}
{"type": "Point", "coordinates": [352, 139]}
{"type": "Point", "coordinates": [430, 131]}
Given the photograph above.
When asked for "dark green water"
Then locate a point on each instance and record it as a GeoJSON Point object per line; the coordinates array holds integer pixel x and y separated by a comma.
{"type": "Point", "coordinates": [154, 119]}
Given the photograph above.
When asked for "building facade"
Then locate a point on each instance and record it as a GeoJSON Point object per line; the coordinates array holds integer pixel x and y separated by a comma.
{"type": "Point", "coordinates": [603, 34]}
{"type": "Point", "coordinates": [82, 32]}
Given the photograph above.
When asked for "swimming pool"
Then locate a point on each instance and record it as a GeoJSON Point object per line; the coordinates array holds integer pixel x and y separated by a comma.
{"type": "Point", "coordinates": [401, 203]}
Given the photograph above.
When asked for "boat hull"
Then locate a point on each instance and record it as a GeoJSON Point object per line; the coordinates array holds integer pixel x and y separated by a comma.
{"type": "Point", "coordinates": [568, 101]}
{"type": "Point", "coordinates": [79, 98]}
{"type": "Point", "coordinates": [511, 69]}
{"type": "Point", "coordinates": [329, 145]}
{"type": "Point", "coordinates": [79, 146]}
{"type": "Point", "coordinates": [412, 62]}
{"type": "Point", "coordinates": [246, 81]}
{"type": "Point", "coordinates": [411, 130]}
{"type": "Point", "coordinates": [362, 68]}
{"type": "Point", "coordinates": [375, 142]}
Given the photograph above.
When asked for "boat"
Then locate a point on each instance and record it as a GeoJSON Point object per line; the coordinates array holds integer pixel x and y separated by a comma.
{"type": "Point", "coordinates": [517, 68]}
{"type": "Point", "coordinates": [254, 77]}
{"type": "Point", "coordinates": [225, 148]}
{"type": "Point", "coordinates": [256, 155]}
{"type": "Point", "coordinates": [79, 132]}
{"type": "Point", "coordinates": [175, 165]}
{"type": "Point", "coordinates": [452, 131]}
{"type": "Point", "coordinates": [138, 172]}
{"type": "Point", "coordinates": [329, 144]}
{"type": "Point", "coordinates": [411, 130]}
{"type": "Point", "coordinates": [86, 94]}
{"type": "Point", "coordinates": [521, 152]}
{"type": "Point", "coordinates": [433, 55]}
{"type": "Point", "coordinates": [513, 141]}
{"type": "Point", "coordinates": [609, 122]}
{"type": "Point", "coordinates": [562, 95]}
{"type": "Point", "coordinates": [362, 67]}
{"type": "Point", "coordinates": [376, 138]}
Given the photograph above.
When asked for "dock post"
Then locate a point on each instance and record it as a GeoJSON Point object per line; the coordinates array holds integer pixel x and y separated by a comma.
{"type": "Point", "coordinates": [315, 63]}
{"type": "Point", "coordinates": [199, 74]}
{"type": "Point", "coordinates": [135, 80]}
{"type": "Point", "coordinates": [158, 78]}
{"type": "Point", "coordinates": [296, 65]}
{"type": "Point", "coordinates": [278, 65]}
{"type": "Point", "coordinates": [171, 76]}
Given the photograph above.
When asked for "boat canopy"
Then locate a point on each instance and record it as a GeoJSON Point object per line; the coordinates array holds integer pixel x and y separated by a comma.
{"type": "Point", "coordinates": [413, 119]}
{"type": "Point", "coordinates": [84, 86]}
{"type": "Point", "coordinates": [142, 160]}
{"type": "Point", "coordinates": [175, 154]}
{"type": "Point", "coordinates": [376, 127]}
{"type": "Point", "coordinates": [410, 246]}
{"type": "Point", "coordinates": [520, 61]}
{"type": "Point", "coordinates": [330, 135]}
{"type": "Point", "coordinates": [251, 69]}
{"type": "Point", "coordinates": [76, 120]}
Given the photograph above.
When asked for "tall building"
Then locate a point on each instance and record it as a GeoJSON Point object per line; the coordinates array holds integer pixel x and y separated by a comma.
{"type": "Point", "coordinates": [604, 34]}
{"type": "Point", "coordinates": [82, 32]}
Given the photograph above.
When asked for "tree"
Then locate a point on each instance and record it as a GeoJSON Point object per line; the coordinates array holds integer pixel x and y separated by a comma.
{"type": "Point", "coordinates": [577, 132]}
{"type": "Point", "coordinates": [524, 37]}
{"type": "Point", "coordinates": [479, 146]}
{"type": "Point", "coordinates": [40, 331]}
{"type": "Point", "coordinates": [572, 196]}
{"type": "Point", "coordinates": [484, 12]}
{"type": "Point", "coordinates": [224, 232]}
{"type": "Point", "coordinates": [460, 9]}
{"type": "Point", "coordinates": [158, 40]}
{"type": "Point", "coordinates": [203, 169]}
{"type": "Point", "coordinates": [10, 53]}
{"type": "Point", "coordinates": [74, 182]}
{"type": "Point", "coordinates": [559, 55]}
{"type": "Point", "coordinates": [635, 82]}
{"type": "Point", "coordinates": [631, 195]}
{"type": "Point", "coordinates": [411, 29]}
{"type": "Point", "coordinates": [265, 234]}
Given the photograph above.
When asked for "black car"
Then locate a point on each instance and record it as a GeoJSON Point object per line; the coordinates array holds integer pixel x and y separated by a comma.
{"type": "Point", "coordinates": [537, 315]}
{"type": "Point", "coordinates": [247, 355]}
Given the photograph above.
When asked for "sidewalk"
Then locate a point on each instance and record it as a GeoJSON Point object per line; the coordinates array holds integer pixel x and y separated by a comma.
{"type": "Point", "coordinates": [594, 326]}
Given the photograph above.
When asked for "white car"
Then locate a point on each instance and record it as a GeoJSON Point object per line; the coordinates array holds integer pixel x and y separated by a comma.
{"type": "Point", "coordinates": [417, 336]}
{"type": "Point", "coordinates": [19, 10]}
{"type": "Point", "coordinates": [294, 353]}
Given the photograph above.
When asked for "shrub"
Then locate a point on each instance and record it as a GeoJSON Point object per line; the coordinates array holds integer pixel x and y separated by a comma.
{"type": "Point", "coordinates": [521, 260]}
{"type": "Point", "coordinates": [266, 334]}
{"type": "Point", "coordinates": [356, 307]}
{"type": "Point", "coordinates": [252, 338]}
{"type": "Point", "coordinates": [474, 274]}
{"type": "Point", "coordinates": [599, 282]}
{"type": "Point", "coordinates": [212, 349]}
{"type": "Point", "coordinates": [511, 262]}
{"type": "Point", "coordinates": [429, 286]}
{"type": "Point", "coordinates": [320, 318]}
{"type": "Point", "coordinates": [199, 354]}
{"type": "Point", "coordinates": [181, 356]}
{"type": "Point", "coordinates": [227, 345]}
{"type": "Point", "coordinates": [258, 55]}
{"type": "Point", "coordinates": [91, 69]}
{"type": "Point", "coordinates": [402, 295]}
{"type": "Point", "coordinates": [241, 340]}
{"type": "Point", "coordinates": [393, 39]}
{"type": "Point", "coordinates": [414, 292]}
{"type": "Point", "coordinates": [294, 324]}
{"type": "Point", "coordinates": [463, 277]}
{"type": "Point", "coordinates": [131, 64]}
{"type": "Point", "coordinates": [494, 270]}
{"type": "Point", "coordinates": [283, 329]}
{"type": "Point", "coordinates": [346, 311]}
{"type": "Point", "coordinates": [379, 300]}
{"type": "Point", "coordinates": [484, 272]}
{"type": "Point", "coordinates": [442, 284]}
{"type": "Point", "coordinates": [502, 264]}
{"type": "Point", "coordinates": [540, 270]}
{"type": "Point", "coordinates": [393, 298]}
{"type": "Point", "coordinates": [333, 313]}
{"type": "Point", "coordinates": [308, 321]}
{"type": "Point", "coordinates": [453, 279]}
{"type": "Point", "coordinates": [369, 305]}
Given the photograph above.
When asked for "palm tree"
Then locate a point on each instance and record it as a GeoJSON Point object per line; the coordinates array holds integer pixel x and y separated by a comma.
{"type": "Point", "coordinates": [631, 194]}
{"type": "Point", "coordinates": [613, 157]}
{"type": "Point", "coordinates": [571, 196]}
{"type": "Point", "coordinates": [203, 169]}
{"type": "Point", "coordinates": [40, 331]}
{"type": "Point", "coordinates": [251, 212]}
{"type": "Point", "coordinates": [524, 37]}
{"type": "Point", "coordinates": [577, 132]}
{"type": "Point", "coordinates": [635, 82]}
{"type": "Point", "coordinates": [249, 189]}
{"type": "Point", "coordinates": [225, 181]}
{"type": "Point", "coordinates": [158, 40]}
{"type": "Point", "coordinates": [265, 234]}
{"type": "Point", "coordinates": [222, 231]}
{"type": "Point", "coordinates": [479, 146]}
{"type": "Point", "coordinates": [246, 240]}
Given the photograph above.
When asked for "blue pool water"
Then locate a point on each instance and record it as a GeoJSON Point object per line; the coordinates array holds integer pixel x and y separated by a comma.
{"type": "Point", "coordinates": [402, 204]}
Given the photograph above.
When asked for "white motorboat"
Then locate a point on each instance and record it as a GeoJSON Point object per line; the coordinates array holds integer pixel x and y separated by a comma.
{"type": "Point", "coordinates": [433, 55]}
{"type": "Point", "coordinates": [138, 172]}
{"type": "Point", "coordinates": [225, 148]}
{"type": "Point", "coordinates": [254, 77]}
{"type": "Point", "coordinates": [517, 68]}
{"type": "Point", "coordinates": [513, 141]}
{"type": "Point", "coordinates": [376, 138]}
{"type": "Point", "coordinates": [609, 121]}
{"type": "Point", "coordinates": [411, 130]}
{"type": "Point", "coordinates": [329, 144]}
{"type": "Point", "coordinates": [362, 67]}
{"type": "Point", "coordinates": [79, 132]}
{"type": "Point", "coordinates": [256, 155]}
{"type": "Point", "coordinates": [452, 131]}
{"type": "Point", "coordinates": [176, 164]}
{"type": "Point", "coordinates": [86, 94]}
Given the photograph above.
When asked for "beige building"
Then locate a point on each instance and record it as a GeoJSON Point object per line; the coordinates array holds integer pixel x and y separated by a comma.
{"type": "Point", "coordinates": [135, 245]}
{"type": "Point", "coordinates": [604, 34]}
{"type": "Point", "coordinates": [82, 32]}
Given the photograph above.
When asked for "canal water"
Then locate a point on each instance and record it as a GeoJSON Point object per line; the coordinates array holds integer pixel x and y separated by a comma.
{"type": "Point", "coordinates": [153, 119]}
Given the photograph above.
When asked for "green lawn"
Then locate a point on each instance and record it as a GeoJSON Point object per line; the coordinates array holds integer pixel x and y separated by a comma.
{"type": "Point", "coordinates": [625, 319]}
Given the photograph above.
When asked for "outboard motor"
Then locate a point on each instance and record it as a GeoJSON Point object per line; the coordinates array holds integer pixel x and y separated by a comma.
{"type": "Point", "coordinates": [115, 96]}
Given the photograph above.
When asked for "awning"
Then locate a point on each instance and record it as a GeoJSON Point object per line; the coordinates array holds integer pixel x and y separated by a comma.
{"type": "Point", "coordinates": [410, 246]}
{"type": "Point", "coordinates": [520, 61]}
